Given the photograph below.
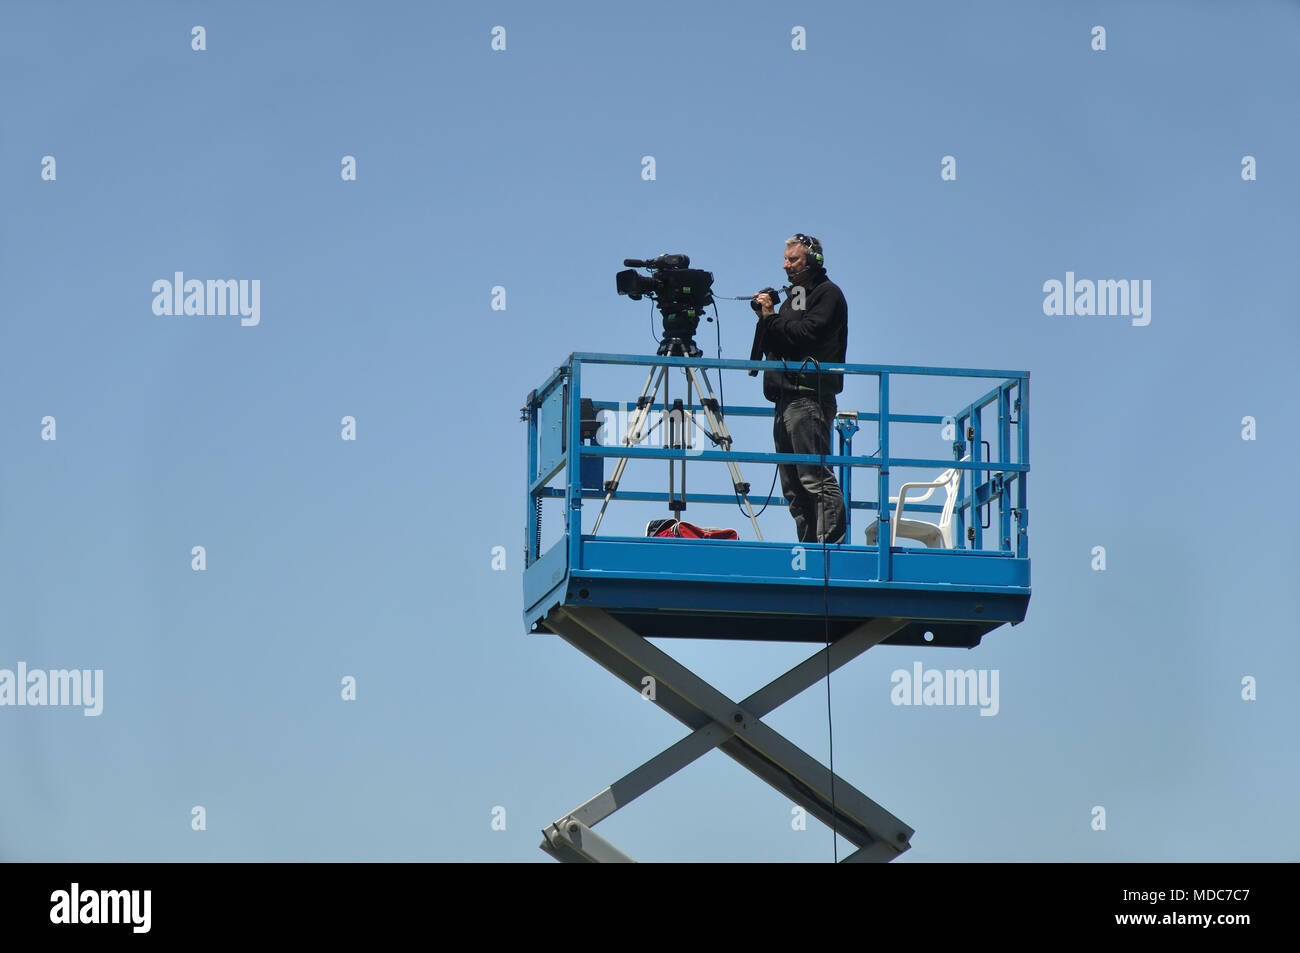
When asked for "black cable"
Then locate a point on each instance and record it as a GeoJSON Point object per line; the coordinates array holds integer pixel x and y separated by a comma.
{"type": "Point", "coordinates": [748, 297]}
{"type": "Point", "coordinates": [770, 490]}
{"type": "Point", "coordinates": [722, 399]}
{"type": "Point", "coordinates": [722, 392]}
{"type": "Point", "coordinates": [826, 575]}
{"type": "Point", "coordinates": [826, 616]}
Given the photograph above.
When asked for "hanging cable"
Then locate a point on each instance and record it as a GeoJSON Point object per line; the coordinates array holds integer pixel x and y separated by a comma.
{"type": "Point", "coordinates": [826, 566]}
{"type": "Point", "coordinates": [826, 613]}
{"type": "Point", "coordinates": [722, 402]}
{"type": "Point", "coordinates": [722, 392]}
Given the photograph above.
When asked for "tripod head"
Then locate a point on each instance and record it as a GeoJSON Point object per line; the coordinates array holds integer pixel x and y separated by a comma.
{"type": "Point", "coordinates": [678, 347]}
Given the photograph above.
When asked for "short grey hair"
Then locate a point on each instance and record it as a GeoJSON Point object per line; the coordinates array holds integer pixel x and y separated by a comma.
{"type": "Point", "coordinates": [815, 249]}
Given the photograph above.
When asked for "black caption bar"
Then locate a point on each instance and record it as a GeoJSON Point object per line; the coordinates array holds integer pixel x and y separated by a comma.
{"type": "Point", "coordinates": [143, 902]}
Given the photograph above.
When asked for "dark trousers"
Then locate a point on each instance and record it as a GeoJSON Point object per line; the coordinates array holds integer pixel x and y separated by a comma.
{"type": "Point", "coordinates": [803, 425]}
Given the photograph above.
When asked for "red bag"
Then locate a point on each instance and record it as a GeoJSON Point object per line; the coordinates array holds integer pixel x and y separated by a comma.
{"type": "Point", "coordinates": [684, 530]}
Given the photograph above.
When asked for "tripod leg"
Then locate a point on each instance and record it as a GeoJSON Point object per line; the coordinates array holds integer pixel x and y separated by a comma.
{"type": "Point", "coordinates": [681, 443]}
{"type": "Point", "coordinates": [633, 436]}
{"type": "Point", "coordinates": [719, 427]}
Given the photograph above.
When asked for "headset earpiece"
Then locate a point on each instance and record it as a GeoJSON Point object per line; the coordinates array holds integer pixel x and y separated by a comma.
{"type": "Point", "coordinates": [813, 245]}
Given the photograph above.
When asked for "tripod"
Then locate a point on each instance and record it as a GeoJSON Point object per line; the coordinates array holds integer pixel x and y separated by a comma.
{"type": "Point", "coordinates": [677, 419]}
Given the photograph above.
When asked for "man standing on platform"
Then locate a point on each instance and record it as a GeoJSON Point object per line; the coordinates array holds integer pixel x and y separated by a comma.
{"type": "Point", "coordinates": [810, 329]}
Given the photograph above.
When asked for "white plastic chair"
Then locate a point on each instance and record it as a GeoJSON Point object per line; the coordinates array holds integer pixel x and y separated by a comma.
{"type": "Point", "coordinates": [935, 536]}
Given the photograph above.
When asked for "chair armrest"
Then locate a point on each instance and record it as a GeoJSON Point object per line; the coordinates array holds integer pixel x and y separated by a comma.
{"type": "Point", "coordinates": [901, 500]}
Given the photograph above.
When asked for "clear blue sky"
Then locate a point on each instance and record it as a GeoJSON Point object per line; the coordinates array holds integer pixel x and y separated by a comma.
{"type": "Point", "coordinates": [522, 168]}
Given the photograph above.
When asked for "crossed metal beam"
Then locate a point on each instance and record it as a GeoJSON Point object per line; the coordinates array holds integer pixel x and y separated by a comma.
{"type": "Point", "coordinates": [718, 722]}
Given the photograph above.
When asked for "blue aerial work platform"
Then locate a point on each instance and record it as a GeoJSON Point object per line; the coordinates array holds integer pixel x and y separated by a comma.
{"type": "Point", "coordinates": [606, 594]}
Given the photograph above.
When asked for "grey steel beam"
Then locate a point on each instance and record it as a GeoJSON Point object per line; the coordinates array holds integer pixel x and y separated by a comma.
{"type": "Point", "coordinates": [623, 668]}
{"type": "Point", "coordinates": [754, 744]}
{"type": "Point", "coordinates": [706, 738]}
{"type": "Point", "coordinates": [572, 841]}
{"type": "Point", "coordinates": [877, 852]}
{"type": "Point", "coordinates": [734, 728]}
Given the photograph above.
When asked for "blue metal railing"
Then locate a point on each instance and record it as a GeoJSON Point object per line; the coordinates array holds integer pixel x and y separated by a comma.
{"type": "Point", "coordinates": [988, 480]}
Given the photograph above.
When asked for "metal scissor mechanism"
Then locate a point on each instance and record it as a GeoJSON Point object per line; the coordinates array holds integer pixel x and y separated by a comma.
{"type": "Point", "coordinates": [678, 417]}
{"type": "Point", "coordinates": [718, 722]}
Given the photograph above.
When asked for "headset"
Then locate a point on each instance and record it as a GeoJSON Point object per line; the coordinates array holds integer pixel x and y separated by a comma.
{"type": "Point", "coordinates": [814, 247]}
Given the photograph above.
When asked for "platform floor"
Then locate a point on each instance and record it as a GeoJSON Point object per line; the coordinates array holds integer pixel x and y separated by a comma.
{"type": "Point", "coordinates": [725, 589]}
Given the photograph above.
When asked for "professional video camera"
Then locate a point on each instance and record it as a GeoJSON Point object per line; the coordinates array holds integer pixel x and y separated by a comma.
{"type": "Point", "coordinates": [681, 294]}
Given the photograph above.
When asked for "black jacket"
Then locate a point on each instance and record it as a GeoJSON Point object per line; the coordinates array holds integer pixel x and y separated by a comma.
{"type": "Point", "coordinates": [820, 330]}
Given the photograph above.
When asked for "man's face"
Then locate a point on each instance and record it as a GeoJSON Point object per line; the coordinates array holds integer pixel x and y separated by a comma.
{"type": "Point", "coordinates": [796, 259]}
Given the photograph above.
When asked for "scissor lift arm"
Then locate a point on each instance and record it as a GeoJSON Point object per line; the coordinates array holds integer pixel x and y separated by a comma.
{"type": "Point", "coordinates": [718, 722]}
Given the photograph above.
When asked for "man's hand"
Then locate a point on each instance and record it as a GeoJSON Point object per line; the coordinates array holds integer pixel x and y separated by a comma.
{"type": "Point", "coordinates": [765, 304]}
